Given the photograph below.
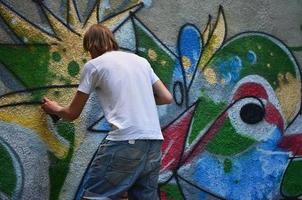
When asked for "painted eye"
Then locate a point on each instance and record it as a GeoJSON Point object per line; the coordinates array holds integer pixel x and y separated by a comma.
{"type": "Point", "coordinates": [252, 113]}
{"type": "Point", "coordinates": [247, 117]}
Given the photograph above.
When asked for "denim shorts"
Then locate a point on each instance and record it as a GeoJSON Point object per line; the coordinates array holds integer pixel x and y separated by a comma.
{"type": "Point", "coordinates": [121, 166]}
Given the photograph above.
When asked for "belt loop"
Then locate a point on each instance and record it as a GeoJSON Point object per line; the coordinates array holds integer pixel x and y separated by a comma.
{"type": "Point", "coordinates": [131, 141]}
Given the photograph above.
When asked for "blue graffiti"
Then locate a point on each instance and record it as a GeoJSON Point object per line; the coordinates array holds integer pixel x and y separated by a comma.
{"type": "Point", "coordinates": [189, 50]}
{"type": "Point", "coordinates": [229, 70]}
{"type": "Point", "coordinates": [251, 57]}
{"type": "Point", "coordinates": [254, 174]}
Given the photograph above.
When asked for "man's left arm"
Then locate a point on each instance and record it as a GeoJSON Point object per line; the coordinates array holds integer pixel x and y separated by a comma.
{"type": "Point", "coordinates": [70, 112]}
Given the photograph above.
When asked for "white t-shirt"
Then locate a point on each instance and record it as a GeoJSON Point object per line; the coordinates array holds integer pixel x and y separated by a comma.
{"type": "Point", "coordinates": [123, 83]}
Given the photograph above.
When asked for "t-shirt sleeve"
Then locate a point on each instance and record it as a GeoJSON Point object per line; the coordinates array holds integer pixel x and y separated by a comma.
{"type": "Point", "coordinates": [88, 79]}
{"type": "Point", "coordinates": [153, 76]}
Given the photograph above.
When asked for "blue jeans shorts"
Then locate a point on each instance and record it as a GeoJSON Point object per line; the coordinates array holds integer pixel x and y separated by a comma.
{"type": "Point", "coordinates": [121, 166]}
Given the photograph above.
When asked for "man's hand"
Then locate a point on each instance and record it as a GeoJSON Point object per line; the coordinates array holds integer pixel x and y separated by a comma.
{"type": "Point", "coordinates": [51, 107]}
{"type": "Point", "coordinates": [68, 113]}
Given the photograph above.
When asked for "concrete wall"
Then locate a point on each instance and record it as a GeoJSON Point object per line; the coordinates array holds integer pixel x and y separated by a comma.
{"type": "Point", "coordinates": [233, 131]}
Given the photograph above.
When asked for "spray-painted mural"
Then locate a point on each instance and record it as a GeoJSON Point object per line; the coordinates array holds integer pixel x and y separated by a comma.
{"type": "Point", "coordinates": [227, 133]}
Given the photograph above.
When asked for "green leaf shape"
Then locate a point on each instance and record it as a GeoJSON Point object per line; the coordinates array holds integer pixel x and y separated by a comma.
{"type": "Point", "coordinates": [8, 179]}
{"type": "Point", "coordinates": [163, 64]}
{"type": "Point", "coordinates": [206, 111]}
{"type": "Point", "coordinates": [228, 142]}
{"type": "Point", "coordinates": [292, 181]}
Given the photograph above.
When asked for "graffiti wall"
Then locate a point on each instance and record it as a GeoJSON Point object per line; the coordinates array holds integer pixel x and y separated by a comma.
{"type": "Point", "coordinates": [233, 130]}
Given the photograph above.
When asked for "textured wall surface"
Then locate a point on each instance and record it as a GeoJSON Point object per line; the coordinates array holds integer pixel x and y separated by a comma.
{"type": "Point", "coordinates": [233, 131]}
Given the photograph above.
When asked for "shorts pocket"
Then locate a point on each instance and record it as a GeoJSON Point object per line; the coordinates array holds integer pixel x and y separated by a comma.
{"type": "Point", "coordinates": [121, 170]}
{"type": "Point", "coordinates": [122, 164]}
{"type": "Point", "coordinates": [116, 178]}
{"type": "Point", "coordinates": [127, 159]}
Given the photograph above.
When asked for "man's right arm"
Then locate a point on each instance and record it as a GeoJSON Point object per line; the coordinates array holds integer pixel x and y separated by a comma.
{"type": "Point", "coordinates": [161, 93]}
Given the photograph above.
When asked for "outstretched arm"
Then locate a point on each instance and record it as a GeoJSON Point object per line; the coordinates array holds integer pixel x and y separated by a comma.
{"type": "Point", "coordinates": [68, 113]}
{"type": "Point", "coordinates": [161, 93]}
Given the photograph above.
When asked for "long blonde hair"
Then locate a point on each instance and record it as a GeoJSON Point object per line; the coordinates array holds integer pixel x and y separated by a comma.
{"type": "Point", "coordinates": [99, 39]}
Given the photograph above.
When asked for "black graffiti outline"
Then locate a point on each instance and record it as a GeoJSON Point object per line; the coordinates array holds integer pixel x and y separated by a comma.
{"type": "Point", "coordinates": [181, 88]}
{"type": "Point", "coordinates": [21, 103]}
{"type": "Point", "coordinates": [91, 127]}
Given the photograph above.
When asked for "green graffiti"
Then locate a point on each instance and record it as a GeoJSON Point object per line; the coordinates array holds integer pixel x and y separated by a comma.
{"type": "Point", "coordinates": [160, 61]}
{"type": "Point", "coordinates": [7, 182]}
{"type": "Point", "coordinates": [172, 192]}
{"type": "Point", "coordinates": [29, 64]}
{"type": "Point", "coordinates": [59, 168]}
{"type": "Point", "coordinates": [228, 142]}
{"type": "Point", "coordinates": [73, 68]}
{"type": "Point", "coordinates": [292, 182]}
{"type": "Point", "coordinates": [205, 112]}
{"type": "Point", "coordinates": [56, 56]}
{"type": "Point", "coordinates": [227, 165]}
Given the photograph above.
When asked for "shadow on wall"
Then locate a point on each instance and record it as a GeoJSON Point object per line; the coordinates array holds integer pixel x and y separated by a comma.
{"type": "Point", "coordinates": [225, 134]}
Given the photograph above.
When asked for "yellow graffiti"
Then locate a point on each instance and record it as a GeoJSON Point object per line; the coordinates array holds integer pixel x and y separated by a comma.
{"type": "Point", "coordinates": [152, 54]}
{"type": "Point", "coordinates": [215, 41]}
{"type": "Point", "coordinates": [163, 62]}
{"type": "Point", "coordinates": [288, 93]}
{"type": "Point", "coordinates": [210, 75]}
{"type": "Point", "coordinates": [33, 118]}
{"type": "Point", "coordinates": [186, 62]}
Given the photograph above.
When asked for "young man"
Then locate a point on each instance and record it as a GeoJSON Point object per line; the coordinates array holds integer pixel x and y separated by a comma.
{"type": "Point", "coordinates": [128, 90]}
